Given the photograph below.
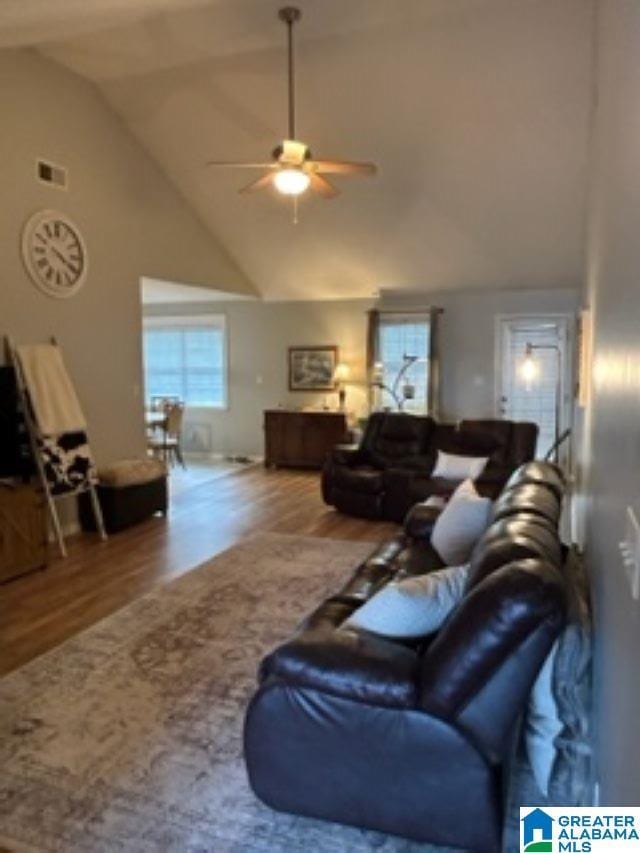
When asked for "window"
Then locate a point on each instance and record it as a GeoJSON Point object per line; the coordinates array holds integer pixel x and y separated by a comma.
{"type": "Point", "coordinates": [400, 335]}
{"type": "Point", "coordinates": [186, 357]}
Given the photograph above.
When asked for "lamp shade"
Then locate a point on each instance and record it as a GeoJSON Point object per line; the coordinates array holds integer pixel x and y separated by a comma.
{"type": "Point", "coordinates": [342, 372]}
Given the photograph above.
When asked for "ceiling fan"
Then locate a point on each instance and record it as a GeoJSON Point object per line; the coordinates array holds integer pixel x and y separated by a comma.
{"type": "Point", "coordinates": [292, 169]}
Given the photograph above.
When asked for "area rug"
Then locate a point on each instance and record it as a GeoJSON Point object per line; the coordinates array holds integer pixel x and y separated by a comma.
{"type": "Point", "coordinates": [128, 737]}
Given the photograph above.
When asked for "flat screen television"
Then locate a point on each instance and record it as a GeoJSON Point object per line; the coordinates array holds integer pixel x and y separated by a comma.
{"type": "Point", "coordinates": [15, 456]}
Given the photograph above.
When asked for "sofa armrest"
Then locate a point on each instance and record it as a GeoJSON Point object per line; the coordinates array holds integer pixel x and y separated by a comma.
{"type": "Point", "coordinates": [420, 521]}
{"type": "Point", "coordinates": [493, 480]}
{"type": "Point", "coordinates": [349, 664]}
{"type": "Point", "coordinates": [419, 464]}
{"type": "Point", "coordinates": [348, 454]}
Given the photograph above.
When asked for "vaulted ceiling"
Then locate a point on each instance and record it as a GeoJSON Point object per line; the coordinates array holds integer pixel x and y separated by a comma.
{"type": "Point", "coordinates": [476, 112]}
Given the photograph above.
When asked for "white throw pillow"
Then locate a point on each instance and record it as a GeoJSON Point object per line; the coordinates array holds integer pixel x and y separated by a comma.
{"type": "Point", "coordinates": [451, 467]}
{"type": "Point", "coordinates": [543, 725]}
{"type": "Point", "coordinates": [435, 501]}
{"type": "Point", "coordinates": [460, 524]}
{"type": "Point", "coordinates": [413, 607]}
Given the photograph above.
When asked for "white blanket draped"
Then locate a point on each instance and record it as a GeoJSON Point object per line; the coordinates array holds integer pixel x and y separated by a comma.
{"type": "Point", "coordinates": [55, 404]}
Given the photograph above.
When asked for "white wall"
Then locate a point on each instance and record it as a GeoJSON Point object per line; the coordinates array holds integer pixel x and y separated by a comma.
{"type": "Point", "coordinates": [613, 424]}
{"type": "Point", "coordinates": [261, 332]}
{"type": "Point", "coordinates": [133, 221]}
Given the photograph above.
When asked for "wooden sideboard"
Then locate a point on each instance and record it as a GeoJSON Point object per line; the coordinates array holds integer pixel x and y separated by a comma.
{"type": "Point", "coordinates": [298, 439]}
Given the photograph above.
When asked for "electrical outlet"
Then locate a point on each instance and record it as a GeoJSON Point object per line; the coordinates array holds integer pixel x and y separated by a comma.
{"type": "Point", "coordinates": [630, 552]}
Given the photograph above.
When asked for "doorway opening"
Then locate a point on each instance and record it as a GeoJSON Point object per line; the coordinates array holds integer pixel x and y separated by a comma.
{"type": "Point", "coordinates": [185, 373]}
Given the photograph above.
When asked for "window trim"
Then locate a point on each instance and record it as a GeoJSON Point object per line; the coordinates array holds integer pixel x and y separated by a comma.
{"type": "Point", "coordinates": [185, 321]}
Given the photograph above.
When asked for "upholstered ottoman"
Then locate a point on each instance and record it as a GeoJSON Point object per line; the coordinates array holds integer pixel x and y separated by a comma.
{"type": "Point", "coordinates": [129, 491]}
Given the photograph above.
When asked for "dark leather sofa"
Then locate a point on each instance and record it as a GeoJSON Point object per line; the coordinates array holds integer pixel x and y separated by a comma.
{"type": "Point", "coordinates": [391, 469]}
{"type": "Point", "coordinates": [411, 738]}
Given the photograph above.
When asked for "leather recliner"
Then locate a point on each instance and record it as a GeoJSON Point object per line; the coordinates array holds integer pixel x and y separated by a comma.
{"type": "Point", "coordinates": [409, 738]}
{"type": "Point", "coordinates": [391, 470]}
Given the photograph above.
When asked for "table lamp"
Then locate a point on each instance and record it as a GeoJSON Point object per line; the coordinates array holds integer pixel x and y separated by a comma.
{"type": "Point", "coordinates": [340, 376]}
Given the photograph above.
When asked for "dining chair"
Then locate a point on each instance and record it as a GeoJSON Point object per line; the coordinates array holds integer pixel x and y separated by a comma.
{"type": "Point", "coordinates": [168, 445]}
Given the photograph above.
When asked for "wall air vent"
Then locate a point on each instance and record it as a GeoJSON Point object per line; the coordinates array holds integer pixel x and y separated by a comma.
{"type": "Point", "coordinates": [49, 173]}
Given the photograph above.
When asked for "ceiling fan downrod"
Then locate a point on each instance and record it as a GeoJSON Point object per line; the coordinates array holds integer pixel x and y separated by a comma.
{"type": "Point", "coordinates": [290, 15]}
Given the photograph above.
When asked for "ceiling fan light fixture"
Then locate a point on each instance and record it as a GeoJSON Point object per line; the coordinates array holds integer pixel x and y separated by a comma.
{"type": "Point", "coordinates": [291, 181]}
{"type": "Point", "coordinates": [293, 170]}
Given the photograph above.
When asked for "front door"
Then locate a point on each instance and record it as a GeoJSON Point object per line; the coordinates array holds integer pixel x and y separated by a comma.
{"type": "Point", "coordinates": [534, 376]}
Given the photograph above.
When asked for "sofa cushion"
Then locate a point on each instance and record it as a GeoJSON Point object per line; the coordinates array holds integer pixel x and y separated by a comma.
{"type": "Point", "coordinates": [494, 435]}
{"type": "Point", "coordinates": [539, 473]}
{"type": "Point", "coordinates": [413, 607]}
{"type": "Point", "coordinates": [511, 540]}
{"type": "Point", "coordinates": [359, 504]}
{"type": "Point", "coordinates": [528, 497]}
{"type": "Point", "coordinates": [417, 558]}
{"type": "Point", "coordinates": [400, 437]}
{"type": "Point", "coordinates": [361, 479]}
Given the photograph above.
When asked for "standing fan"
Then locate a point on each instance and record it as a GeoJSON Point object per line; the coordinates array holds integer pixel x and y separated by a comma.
{"type": "Point", "coordinates": [293, 170]}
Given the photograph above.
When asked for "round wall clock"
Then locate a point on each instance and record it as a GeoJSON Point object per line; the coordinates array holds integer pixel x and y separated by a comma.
{"type": "Point", "coordinates": [54, 253]}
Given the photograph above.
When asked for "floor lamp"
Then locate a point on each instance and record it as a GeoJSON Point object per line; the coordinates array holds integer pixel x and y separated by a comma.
{"type": "Point", "coordinates": [408, 390]}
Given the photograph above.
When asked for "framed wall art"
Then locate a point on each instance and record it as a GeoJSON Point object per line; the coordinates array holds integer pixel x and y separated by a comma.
{"type": "Point", "coordinates": [312, 368]}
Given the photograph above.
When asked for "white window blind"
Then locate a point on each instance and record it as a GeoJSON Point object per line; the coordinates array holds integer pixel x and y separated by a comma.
{"type": "Point", "coordinates": [400, 335]}
{"type": "Point", "coordinates": [185, 357]}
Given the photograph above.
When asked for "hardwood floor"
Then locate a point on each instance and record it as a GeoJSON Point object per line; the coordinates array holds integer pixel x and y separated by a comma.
{"type": "Point", "coordinates": [43, 609]}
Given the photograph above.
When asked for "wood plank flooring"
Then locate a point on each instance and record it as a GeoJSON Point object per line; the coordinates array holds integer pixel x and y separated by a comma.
{"type": "Point", "coordinates": [43, 609]}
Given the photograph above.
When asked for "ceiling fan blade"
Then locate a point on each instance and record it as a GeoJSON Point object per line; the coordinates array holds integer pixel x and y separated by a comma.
{"type": "Point", "coordinates": [259, 184]}
{"type": "Point", "coordinates": [223, 164]}
{"type": "Point", "coordinates": [342, 167]}
{"type": "Point", "coordinates": [322, 186]}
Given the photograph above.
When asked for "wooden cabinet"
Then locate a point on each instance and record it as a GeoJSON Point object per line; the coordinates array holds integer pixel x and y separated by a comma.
{"type": "Point", "coordinates": [23, 531]}
{"type": "Point", "coordinates": [301, 439]}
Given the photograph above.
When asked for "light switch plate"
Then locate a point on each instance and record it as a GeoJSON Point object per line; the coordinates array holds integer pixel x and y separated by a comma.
{"type": "Point", "coordinates": [630, 551]}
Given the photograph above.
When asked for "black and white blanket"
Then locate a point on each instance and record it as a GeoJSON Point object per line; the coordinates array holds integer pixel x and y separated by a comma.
{"type": "Point", "coordinates": [68, 464]}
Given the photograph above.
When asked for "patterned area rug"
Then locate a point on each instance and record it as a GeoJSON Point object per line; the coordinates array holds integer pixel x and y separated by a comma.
{"type": "Point", "coordinates": [129, 736]}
